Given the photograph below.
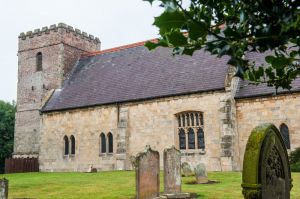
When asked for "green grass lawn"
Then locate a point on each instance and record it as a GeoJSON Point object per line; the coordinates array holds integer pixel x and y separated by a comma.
{"type": "Point", "coordinates": [118, 184]}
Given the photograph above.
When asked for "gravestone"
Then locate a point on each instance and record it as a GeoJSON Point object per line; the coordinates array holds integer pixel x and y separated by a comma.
{"type": "Point", "coordinates": [186, 169]}
{"type": "Point", "coordinates": [201, 174]}
{"type": "Point", "coordinates": [147, 174]}
{"type": "Point", "coordinates": [266, 171]}
{"type": "Point", "coordinates": [172, 173]}
{"type": "Point", "coordinates": [3, 188]}
{"type": "Point", "coordinates": [92, 169]}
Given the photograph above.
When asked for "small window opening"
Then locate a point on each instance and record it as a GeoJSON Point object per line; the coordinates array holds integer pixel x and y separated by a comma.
{"type": "Point", "coordinates": [39, 61]}
{"type": "Point", "coordinates": [72, 139]}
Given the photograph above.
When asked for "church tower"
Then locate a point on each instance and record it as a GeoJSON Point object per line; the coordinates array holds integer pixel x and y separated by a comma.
{"type": "Point", "coordinates": [45, 58]}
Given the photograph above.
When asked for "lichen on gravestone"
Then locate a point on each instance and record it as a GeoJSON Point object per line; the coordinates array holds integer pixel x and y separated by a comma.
{"type": "Point", "coordinates": [266, 171]}
{"type": "Point", "coordinates": [186, 169]}
{"type": "Point", "coordinates": [201, 174]}
{"type": "Point", "coordinates": [172, 170]}
{"type": "Point", "coordinates": [147, 174]}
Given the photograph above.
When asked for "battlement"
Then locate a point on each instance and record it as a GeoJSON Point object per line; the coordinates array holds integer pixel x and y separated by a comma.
{"type": "Point", "coordinates": [55, 28]}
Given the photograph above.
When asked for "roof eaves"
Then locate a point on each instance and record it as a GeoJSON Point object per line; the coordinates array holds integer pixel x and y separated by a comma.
{"type": "Point", "coordinates": [267, 94]}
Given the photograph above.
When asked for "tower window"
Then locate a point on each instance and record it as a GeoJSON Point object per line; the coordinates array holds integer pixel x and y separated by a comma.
{"type": "Point", "coordinates": [39, 61]}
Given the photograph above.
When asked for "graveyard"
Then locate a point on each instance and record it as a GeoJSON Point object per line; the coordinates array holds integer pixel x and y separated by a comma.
{"type": "Point", "coordinates": [120, 184]}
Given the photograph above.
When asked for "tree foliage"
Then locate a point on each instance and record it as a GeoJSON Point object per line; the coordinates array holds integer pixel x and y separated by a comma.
{"type": "Point", "coordinates": [234, 28]}
{"type": "Point", "coordinates": [7, 122]}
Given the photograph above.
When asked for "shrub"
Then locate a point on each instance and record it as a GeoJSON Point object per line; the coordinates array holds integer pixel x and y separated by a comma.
{"type": "Point", "coordinates": [295, 156]}
{"type": "Point", "coordinates": [295, 160]}
{"type": "Point", "coordinates": [295, 167]}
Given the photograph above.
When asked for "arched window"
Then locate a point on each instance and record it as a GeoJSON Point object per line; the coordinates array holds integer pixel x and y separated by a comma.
{"type": "Point", "coordinates": [66, 145]}
{"type": "Point", "coordinates": [284, 130]}
{"type": "Point", "coordinates": [102, 143]}
{"type": "Point", "coordinates": [200, 136]}
{"type": "Point", "coordinates": [191, 138]}
{"type": "Point", "coordinates": [182, 144]}
{"type": "Point", "coordinates": [191, 130]}
{"type": "Point", "coordinates": [110, 143]}
{"type": "Point", "coordinates": [72, 139]}
{"type": "Point", "coordinates": [39, 61]}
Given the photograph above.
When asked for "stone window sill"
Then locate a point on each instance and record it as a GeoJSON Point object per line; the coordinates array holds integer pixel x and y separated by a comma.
{"type": "Point", "coordinates": [105, 154]}
{"type": "Point", "coordinates": [72, 156]}
{"type": "Point", "coordinates": [188, 152]}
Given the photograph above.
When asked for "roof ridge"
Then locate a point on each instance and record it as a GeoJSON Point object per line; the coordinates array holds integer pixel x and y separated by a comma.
{"type": "Point", "coordinates": [115, 49]}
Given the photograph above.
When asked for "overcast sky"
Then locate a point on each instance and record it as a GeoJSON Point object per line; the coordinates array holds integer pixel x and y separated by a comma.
{"type": "Point", "coordinates": [115, 22]}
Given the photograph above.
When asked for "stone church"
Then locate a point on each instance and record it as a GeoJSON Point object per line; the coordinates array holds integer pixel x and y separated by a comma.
{"type": "Point", "coordinates": [78, 106]}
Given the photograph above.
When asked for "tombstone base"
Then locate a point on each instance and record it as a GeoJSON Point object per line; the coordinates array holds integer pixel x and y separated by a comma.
{"type": "Point", "coordinates": [175, 196]}
{"type": "Point", "coordinates": [202, 180]}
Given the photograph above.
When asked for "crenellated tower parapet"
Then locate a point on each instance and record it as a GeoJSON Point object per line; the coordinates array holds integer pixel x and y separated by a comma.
{"type": "Point", "coordinates": [58, 33]}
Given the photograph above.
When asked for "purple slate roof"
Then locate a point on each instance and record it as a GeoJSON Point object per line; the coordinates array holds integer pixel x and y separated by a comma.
{"type": "Point", "coordinates": [136, 73]}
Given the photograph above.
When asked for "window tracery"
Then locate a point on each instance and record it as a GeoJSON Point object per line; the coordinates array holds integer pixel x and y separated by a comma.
{"type": "Point", "coordinates": [190, 130]}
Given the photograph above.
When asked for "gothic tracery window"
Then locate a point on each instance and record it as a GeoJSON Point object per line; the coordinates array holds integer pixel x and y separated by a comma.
{"type": "Point", "coordinates": [284, 130]}
{"type": "Point", "coordinates": [190, 130]}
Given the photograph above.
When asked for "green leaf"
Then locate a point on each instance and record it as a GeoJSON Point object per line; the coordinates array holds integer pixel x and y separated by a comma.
{"type": "Point", "coordinates": [169, 20]}
{"type": "Point", "coordinates": [188, 51]}
{"type": "Point", "coordinates": [269, 59]}
{"type": "Point", "coordinates": [197, 30]}
{"type": "Point", "coordinates": [176, 38]}
{"type": "Point", "coordinates": [280, 62]}
{"type": "Point", "coordinates": [152, 45]}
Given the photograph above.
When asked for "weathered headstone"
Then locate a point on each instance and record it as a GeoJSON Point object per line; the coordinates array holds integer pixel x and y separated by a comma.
{"type": "Point", "coordinates": [172, 174]}
{"type": "Point", "coordinates": [92, 169]}
{"type": "Point", "coordinates": [201, 174]}
{"type": "Point", "coordinates": [147, 174]}
{"type": "Point", "coordinates": [186, 169]}
{"type": "Point", "coordinates": [266, 171]}
{"type": "Point", "coordinates": [3, 188]}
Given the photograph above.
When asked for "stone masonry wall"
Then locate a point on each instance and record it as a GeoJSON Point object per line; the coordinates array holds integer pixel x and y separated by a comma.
{"type": "Point", "coordinates": [60, 46]}
{"type": "Point", "coordinates": [133, 125]}
{"type": "Point", "coordinates": [277, 110]}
